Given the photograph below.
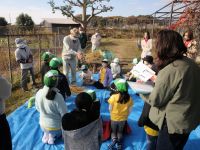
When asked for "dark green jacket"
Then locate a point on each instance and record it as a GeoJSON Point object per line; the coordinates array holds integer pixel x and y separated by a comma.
{"type": "Point", "coordinates": [176, 97]}
{"type": "Point", "coordinates": [83, 40]}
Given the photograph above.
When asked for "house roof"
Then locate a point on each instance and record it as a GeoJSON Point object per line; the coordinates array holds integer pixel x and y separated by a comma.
{"type": "Point", "coordinates": [60, 21]}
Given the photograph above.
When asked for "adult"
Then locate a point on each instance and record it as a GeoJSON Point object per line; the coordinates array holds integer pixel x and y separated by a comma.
{"type": "Point", "coordinates": [175, 98]}
{"type": "Point", "coordinates": [24, 56]}
{"type": "Point", "coordinates": [146, 45]}
{"type": "Point", "coordinates": [5, 136]}
{"type": "Point", "coordinates": [96, 40]}
{"type": "Point", "coordinates": [82, 37]}
{"type": "Point", "coordinates": [82, 127]}
{"type": "Point", "coordinates": [71, 50]}
{"type": "Point", "coordinates": [191, 44]}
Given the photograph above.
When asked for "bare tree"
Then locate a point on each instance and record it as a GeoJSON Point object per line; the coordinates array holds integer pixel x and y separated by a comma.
{"type": "Point", "coordinates": [93, 7]}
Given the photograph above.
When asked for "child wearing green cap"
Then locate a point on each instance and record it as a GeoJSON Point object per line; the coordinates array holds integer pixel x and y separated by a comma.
{"type": "Point", "coordinates": [120, 106]}
{"type": "Point", "coordinates": [51, 106]}
{"type": "Point", "coordinates": [62, 85]}
{"type": "Point", "coordinates": [46, 57]}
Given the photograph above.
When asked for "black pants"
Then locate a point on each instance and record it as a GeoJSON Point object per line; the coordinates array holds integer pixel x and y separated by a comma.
{"type": "Point", "coordinates": [5, 136]}
{"type": "Point", "coordinates": [168, 141]}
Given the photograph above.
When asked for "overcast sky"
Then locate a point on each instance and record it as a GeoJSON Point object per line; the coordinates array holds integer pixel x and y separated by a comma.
{"type": "Point", "coordinates": [39, 9]}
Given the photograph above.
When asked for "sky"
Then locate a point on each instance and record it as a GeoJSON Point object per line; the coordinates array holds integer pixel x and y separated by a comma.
{"type": "Point", "coordinates": [39, 9]}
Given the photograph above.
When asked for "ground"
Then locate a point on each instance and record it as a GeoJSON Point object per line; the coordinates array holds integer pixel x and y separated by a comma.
{"type": "Point", "coordinates": [122, 48]}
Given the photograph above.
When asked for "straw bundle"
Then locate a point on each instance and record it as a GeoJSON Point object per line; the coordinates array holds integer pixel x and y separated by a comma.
{"type": "Point", "coordinates": [76, 89]}
{"type": "Point", "coordinates": [92, 57]}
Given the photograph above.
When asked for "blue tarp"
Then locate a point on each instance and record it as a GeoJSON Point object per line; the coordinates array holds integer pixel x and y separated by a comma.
{"type": "Point", "coordinates": [27, 135]}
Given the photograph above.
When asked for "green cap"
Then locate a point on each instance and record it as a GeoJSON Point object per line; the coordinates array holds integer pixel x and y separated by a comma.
{"type": "Point", "coordinates": [46, 56]}
{"type": "Point", "coordinates": [92, 93]}
{"type": "Point", "coordinates": [55, 63]}
{"type": "Point", "coordinates": [121, 85]}
{"type": "Point", "coordinates": [50, 78]}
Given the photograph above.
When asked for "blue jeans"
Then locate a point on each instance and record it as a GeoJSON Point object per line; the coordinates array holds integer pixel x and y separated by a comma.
{"type": "Point", "coordinates": [151, 142]}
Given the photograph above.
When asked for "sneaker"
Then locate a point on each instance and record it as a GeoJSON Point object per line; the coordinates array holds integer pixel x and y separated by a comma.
{"type": "Point", "coordinates": [112, 145]}
{"type": "Point", "coordinates": [51, 139]}
{"type": "Point", "coordinates": [45, 138]}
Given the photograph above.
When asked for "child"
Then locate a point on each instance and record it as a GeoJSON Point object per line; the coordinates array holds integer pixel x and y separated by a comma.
{"type": "Point", "coordinates": [46, 57]}
{"type": "Point", "coordinates": [115, 68]}
{"type": "Point", "coordinates": [62, 85]}
{"type": "Point", "coordinates": [130, 76]}
{"type": "Point", "coordinates": [5, 136]}
{"type": "Point", "coordinates": [144, 121]}
{"type": "Point", "coordinates": [86, 75]}
{"type": "Point", "coordinates": [105, 76]}
{"type": "Point", "coordinates": [82, 126]}
{"type": "Point", "coordinates": [51, 106]}
{"type": "Point", "coordinates": [120, 106]}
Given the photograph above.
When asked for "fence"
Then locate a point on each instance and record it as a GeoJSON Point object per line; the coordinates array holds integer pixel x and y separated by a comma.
{"type": "Point", "coordinates": [44, 39]}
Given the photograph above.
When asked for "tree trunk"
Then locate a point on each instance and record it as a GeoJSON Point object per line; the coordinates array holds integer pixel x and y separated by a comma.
{"type": "Point", "coordinates": [84, 15]}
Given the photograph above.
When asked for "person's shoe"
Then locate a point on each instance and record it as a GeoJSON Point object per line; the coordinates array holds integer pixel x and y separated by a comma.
{"type": "Point", "coordinates": [112, 145]}
{"type": "Point", "coordinates": [51, 139]}
{"type": "Point", "coordinates": [45, 138]}
{"type": "Point", "coordinates": [119, 146]}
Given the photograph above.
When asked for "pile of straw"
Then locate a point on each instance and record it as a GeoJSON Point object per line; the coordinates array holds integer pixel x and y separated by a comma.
{"type": "Point", "coordinates": [75, 89]}
{"type": "Point", "coordinates": [93, 57]}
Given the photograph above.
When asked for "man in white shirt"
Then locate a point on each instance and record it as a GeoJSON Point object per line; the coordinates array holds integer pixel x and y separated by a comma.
{"type": "Point", "coordinates": [71, 51]}
{"type": "Point", "coordinates": [96, 40]}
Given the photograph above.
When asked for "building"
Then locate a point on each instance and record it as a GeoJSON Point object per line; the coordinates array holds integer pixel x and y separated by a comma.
{"type": "Point", "coordinates": [59, 24]}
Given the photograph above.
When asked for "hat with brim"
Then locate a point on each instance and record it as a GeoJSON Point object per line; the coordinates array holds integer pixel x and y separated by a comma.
{"type": "Point", "coordinates": [74, 32]}
{"type": "Point", "coordinates": [92, 93]}
{"type": "Point", "coordinates": [121, 85]}
{"type": "Point", "coordinates": [55, 63]}
{"type": "Point", "coordinates": [116, 60]}
{"type": "Point", "coordinates": [19, 42]}
{"type": "Point", "coordinates": [50, 78]}
{"type": "Point", "coordinates": [105, 60]}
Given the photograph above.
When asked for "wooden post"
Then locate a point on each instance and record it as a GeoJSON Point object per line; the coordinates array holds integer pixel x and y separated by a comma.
{"type": "Point", "coordinates": [39, 42]}
{"type": "Point", "coordinates": [9, 54]}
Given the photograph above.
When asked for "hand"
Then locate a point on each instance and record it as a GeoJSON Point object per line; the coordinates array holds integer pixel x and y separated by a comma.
{"type": "Point", "coordinates": [153, 78]}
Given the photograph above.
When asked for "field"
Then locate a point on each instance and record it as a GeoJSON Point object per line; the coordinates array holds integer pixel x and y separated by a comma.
{"type": "Point", "coordinates": [122, 48]}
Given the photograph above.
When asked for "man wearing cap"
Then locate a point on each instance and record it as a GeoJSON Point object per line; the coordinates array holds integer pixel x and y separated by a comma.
{"type": "Point", "coordinates": [24, 56]}
{"type": "Point", "coordinates": [96, 40]}
{"type": "Point", "coordinates": [71, 51]}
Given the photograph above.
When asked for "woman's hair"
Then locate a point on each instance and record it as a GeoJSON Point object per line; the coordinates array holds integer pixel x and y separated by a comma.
{"type": "Point", "coordinates": [190, 34]}
{"type": "Point", "coordinates": [148, 34]}
{"type": "Point", "coordinates": [84, 102]}
{"type": "Point", "coordinates": [170, 47]}
{"type": "Point", "coordinates": [51, 94]}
